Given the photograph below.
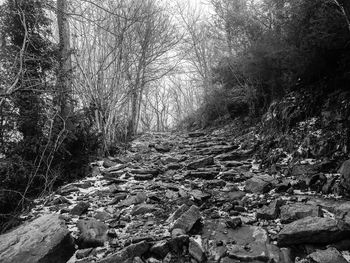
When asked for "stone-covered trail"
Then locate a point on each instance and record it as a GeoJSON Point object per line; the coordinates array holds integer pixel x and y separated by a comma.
{"type": "Point", "coordinates": [183, 198]}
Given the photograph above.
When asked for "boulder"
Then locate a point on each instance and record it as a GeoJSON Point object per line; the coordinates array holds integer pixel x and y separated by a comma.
{"type": "Point", "coordinates": [143, 209]}
{"type": "Point", "coordinates": [187, 220]}
{"type": "Point", "coordinates": [93, 233]}
{"type": "Point", "coordinates": [196, 250]}
{"type": "Point", "coordinates": [292, 212]}
{"type": "Point", "coordinates": [330, 255]}
{"type": "Point", "coordinates": [44, 240]}
{"type": "Point", "coordinates": [313, 230]}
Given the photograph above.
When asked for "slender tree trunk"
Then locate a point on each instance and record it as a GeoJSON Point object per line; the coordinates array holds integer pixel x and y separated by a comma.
{"type": "Point", "coordinates": [64, 86]}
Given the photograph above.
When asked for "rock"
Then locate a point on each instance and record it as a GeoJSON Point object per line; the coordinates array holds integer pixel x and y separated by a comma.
{"type": "Point", "coordinates": [196, 134]}
{"type": "Point", "coordinates": [313, 230]}
{"type": "Point", "coordinates": [187, 220]}
{"type": "Point", "coordinates": [83, 253]}
{"type": "Point", "coordinates": [160, 249]}
{"type": "Point", "coordinates": [201, 163]}
{"type": "Point", "coordinates": [203, 175]}
{"type": "Point", "coordinates": [133, 200]}
{"type": "Point", "coordinates": [234, 222]}
{"type": "Point", "coordinates": [177, 243]}
{"type": "Point", "coordinates": [163, 148]}
{"type": "Point", "coordinates": [345, 175]}
{"type": "Point", "coordinates": [196, 250]}
{"type": "Point", "coordinates": [80, 208]}
{"type": "Point", "coordinates": [44, 240]}
{"type": "Point", "coordinates": [67, 189]}
{"type": "Point", "coordinates": [117, 198]}
{"type": "Point", "coordinates": [173, 166]}
{"type": "Point", "coordinates": [93, 233]}
{"type": "Point", "coordinates": [143, 209]}
{"type": "Point", "coordinates": [143, 177]}
{"type": "Point", "coordinates": [102, 216]}
{"type": "Point", "coordinates": [244, 244]}
{"type": "Point", "coordinates": [128, 253]}
{"type": "Point", "coordinates": [259, 184]}
{"type": "Point", "coordinates": [292, 212]}
{"type": "Point", "coordinates": [271, 211]}
{"type": "Point", "coordinates": [182, 209]}
{"type": "Point", "coordinates": [199, 195]}
{"type": "Point", "coordinates": [330, 255]}
{"type": "Point", "coordinates": [145, 171]}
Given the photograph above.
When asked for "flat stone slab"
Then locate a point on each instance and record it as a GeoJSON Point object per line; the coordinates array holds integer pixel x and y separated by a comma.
{"type": "Point", "coordinates": [313, 230]}
{"type": "Point", "coordinates": [44, 240]}
{"type": "Point", "coordinates": [330, 255]}
{"type": "Point", "coordinates": [187, 220]}
{"type": "Point", "coordinates": [292, 212]}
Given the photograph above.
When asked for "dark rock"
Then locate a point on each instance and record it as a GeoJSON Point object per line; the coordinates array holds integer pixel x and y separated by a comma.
{"type": "Point", "coordinates": [107, 163]}
{"type": "Point", "coordinates": [93, 233]}
{"type": "Point", "coordinates": [128, 253]}
{"type": "Point", "coordinates": [44, 240]}
{"type": "Point", "coordinates": [292, 212]}
{"type": "Point", "coordinates": [143, 177]}
{"type": "Point", "coordinates": [117, 198]}
{"type": "Point", "coordinates": [187, 220]}
{"type": "Point", "coordinates": [80, 208]}
{"type": "Point", "coordinates": [311, 230]}
{"type": "Point", "coordinates": [145, 171]}
{"type": "Point", "coordinates": [143, 209]}
{"type": "Point", "coordinates": [173, 166]}
{"type": "Point", "coordinates": [83, 253]}
{"type": "Point", "coordinates": [196, 251]}
{"type": "Point", "coordinates": [330, 255]}
{"type": "Point", "coordinates": [203, 175]}
{"type": "Point", "coordinates": [162, 148]}
{"type": "Point", "coordinates": [160, 249]}
{"type": "Point", "coordinates": [271, 211]}
{"type": "Point", "coordinates": [196, 134]}
{"type": "Point", "coordinates": [182, 209]}
{"type": "Point", "coordinates": [177, 243]}
{"type": "Point", "coordinates": [201, 163]}
{"type": "Point", "coordinates": [199, 195]}
{"type": "Point", "coordinates": [345, 175]}
{"type": "Point", "coordinates": [234, 222]}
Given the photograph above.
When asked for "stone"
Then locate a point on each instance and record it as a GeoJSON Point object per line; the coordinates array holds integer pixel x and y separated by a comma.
{"type": "Point", "coordinates": [244, 244]}
{"type": "Point", "coordinates": [45, 240]}
{"type": "Point", "coordinates": [196, 250]}
{"type": "Point", "coordinates": [345, 175]}
{"type": "Point", "coordinates": [313, 230]}
{"type": "Point", "coordinates": [145, 171]}
{"type": "Point", "coordinates": [128, 253]}
{"type": "Point", "coordinates": [234, 222]}
{"type": "Point", "coordinates": [143, 209]}
{"type": "Point", "coordinates": [259, 184]}
{"type": "Point", "coordinates": [292, 212]}
{"type": "Point", "coordinates": [173, 166]}
{"type": "Point", "coordinates": [187, 220]}
{"type": "Point", "coordinates": [207, 161]}
{"type": "Point", "coordinates": [206, 175]}
{"type": "Point", "coordinates": [93, 233]}
{"type": "Point", "coordinates": [178, 212]}
{"type": "Point", "coordinates": [271, 211]}
{"type": "Point", "coordinates": [80, 208]}
{"type": "Point", "coordinates": [177, 243]}
{"type": "Point", "coordinates": [196, 134]}
{"type": "Point", "coordinates": [160, 249]}
{"type": "Point", "coordinates": [83, 253]}
{"type": "Point", "coordinates": [143, 177]}
{"type": "Point", "coordinates": [330, 255]}
{"type": "Point", "coordinates": [199, 195]}
{"type": "Point", "coordinates": [117, 198]}
{"type": "Point", "coordinates": [133, 200]}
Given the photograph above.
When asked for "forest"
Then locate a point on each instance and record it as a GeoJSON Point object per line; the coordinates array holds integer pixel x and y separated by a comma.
{"type": "Point", "coordinates": [209, 86]}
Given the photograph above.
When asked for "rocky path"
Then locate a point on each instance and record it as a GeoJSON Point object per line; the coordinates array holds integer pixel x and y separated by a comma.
{"type": "Point", "coordinates": [187, 198]}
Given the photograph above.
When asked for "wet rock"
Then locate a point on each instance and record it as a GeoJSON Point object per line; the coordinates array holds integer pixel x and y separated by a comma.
{"type": "Point", "coordinates": [143, 209]}
{"type": "Point", "coordinates": [201, 163]}
{"type": "Point", "coordinates": [292, 212]}
{"type": "Point", "coordinates": [93, 233]}
{"type": "Point", "coordinates": [44, 240]}
{"type": "Point", "coordinates": [187, 220]}
{"type": "Point", "coordinates": [311, 230]}
{"type": "Point", "coordinates": [80, 208]}
{"type": "Point", "coordinates": [271, 211]}
{"type": "Point", "coordinates": [330, 255]}
{"type": "Point", "coordinates": [196, 251]}
{"type": "Point", "coordinates": [128, 253]}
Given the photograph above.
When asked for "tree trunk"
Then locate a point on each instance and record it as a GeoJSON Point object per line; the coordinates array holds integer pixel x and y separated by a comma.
{"type": "Point", "coordinates": [64, 86]}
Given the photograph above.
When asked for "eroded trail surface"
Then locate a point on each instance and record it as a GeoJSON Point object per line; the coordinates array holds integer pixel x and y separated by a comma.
{"type": "Point", "coordinates": [184, 198]}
